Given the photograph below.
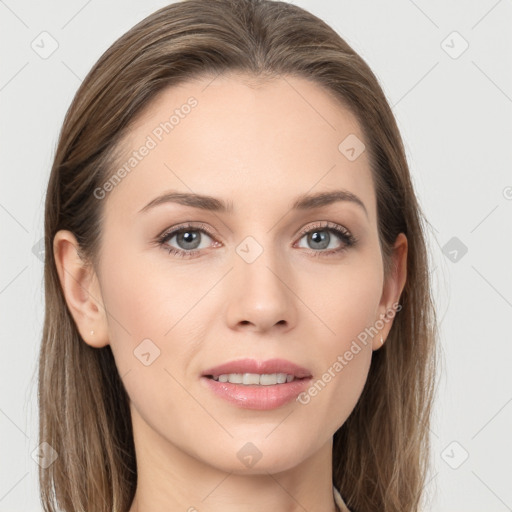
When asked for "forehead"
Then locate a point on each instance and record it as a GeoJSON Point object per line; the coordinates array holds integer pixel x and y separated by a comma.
{"type": "Point", "coordinates": [250, 140]}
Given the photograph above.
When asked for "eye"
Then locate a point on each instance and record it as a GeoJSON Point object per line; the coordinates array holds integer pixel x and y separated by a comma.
{"type": "Point", "coordinates": [320, 237]}
{"type": "Point", "coordinates": [188, 238]}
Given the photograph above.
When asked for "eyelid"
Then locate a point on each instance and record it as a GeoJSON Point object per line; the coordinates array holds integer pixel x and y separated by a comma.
{"type": "Point", "coordinates": [303, 231]}
{"type": "Point", "coordinates": [347, 238]}
{"type": "Point", "coordinates": [324, 225]}
{"type": "Point", "coordinates": [200, 226]}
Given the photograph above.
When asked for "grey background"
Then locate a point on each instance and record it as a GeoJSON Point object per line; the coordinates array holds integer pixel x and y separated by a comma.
{"type": "Point", "coordinates": [454, 112]}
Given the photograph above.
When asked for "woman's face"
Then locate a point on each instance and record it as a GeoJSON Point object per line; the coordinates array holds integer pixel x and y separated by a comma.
{"type": "Point", "coordinates": [260, 279]}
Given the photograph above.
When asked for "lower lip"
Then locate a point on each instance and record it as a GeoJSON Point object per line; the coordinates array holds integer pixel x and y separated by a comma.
{"type": "Point", "coordinates": [257, 397]}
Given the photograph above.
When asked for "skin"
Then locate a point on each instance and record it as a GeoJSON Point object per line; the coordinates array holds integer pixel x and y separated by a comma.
{"type": "Point", "coordinates": [260, 145]}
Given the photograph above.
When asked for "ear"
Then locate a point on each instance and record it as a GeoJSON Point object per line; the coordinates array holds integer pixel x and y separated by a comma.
{"type": "Point", "coordinates": [81, 290]}
{"type": "Point", "coordinates": [392, 289]}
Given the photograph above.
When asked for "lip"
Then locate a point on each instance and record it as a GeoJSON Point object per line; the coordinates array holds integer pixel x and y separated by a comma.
{"type": "Point", "coordinates": [253, 366]}
{"type": "Point", "coordinates": [257, 397]}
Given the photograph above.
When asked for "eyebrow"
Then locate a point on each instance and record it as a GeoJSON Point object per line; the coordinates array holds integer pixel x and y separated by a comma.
{"type": "Point", "coordinates": [204, 202]}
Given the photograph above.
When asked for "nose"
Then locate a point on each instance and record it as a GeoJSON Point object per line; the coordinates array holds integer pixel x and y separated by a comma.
{"type": "Point", "coordinates": [261, 294]}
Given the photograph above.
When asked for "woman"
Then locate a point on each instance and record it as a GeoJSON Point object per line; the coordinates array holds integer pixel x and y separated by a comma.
{"type": "Point", "coordinates": [238, 309]}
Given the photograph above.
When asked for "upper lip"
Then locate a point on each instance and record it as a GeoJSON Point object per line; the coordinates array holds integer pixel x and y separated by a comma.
{"type": "Point", "coordinates": [260, 367]}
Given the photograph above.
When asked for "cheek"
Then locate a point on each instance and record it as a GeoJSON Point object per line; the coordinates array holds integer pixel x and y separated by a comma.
{"type": "Point", "coordinates": [146, 296]}
{"type": "Point", "coordinates": [155, 322]}
{"type": "Point", "coordinates": [346, 303]}
{"type": "Point", "coordinates": [138, 312]}
{"type": "Point", "coordinates": [147, 323]}
{"type": "Point", "coordinates": [344, 297]}
{"type": "Point", "coordinates": [341, 377]}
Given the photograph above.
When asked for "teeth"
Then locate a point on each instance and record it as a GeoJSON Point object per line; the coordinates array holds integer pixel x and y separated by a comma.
{"type": "Point", "coordinates": [248, 379]}
{"type": "Point", "coordinates": [251, 378]}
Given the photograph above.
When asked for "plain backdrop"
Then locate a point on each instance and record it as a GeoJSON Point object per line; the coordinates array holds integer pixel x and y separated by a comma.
{"type": "Point", "coordinates": [445, 68]}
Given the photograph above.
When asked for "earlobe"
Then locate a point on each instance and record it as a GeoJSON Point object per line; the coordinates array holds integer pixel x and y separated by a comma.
{"type": "Point", "coordinates": [81, 290]}
{"type": "Point", "coordinates": [393, 287]}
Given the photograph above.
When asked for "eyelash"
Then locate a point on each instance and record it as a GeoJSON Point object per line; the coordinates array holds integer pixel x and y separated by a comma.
{"type": "Point", "coordinates": [346, 237]}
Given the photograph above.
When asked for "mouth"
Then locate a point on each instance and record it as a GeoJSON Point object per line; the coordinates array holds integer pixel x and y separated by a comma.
{"type": "Point", "coordinates": [251, 384]}
{"type": "Point", "coordinates": [251, 367]}
{"type": "Point", "coordinates": [255, 379]}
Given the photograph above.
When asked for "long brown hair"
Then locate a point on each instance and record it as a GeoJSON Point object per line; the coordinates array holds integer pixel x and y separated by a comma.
{"type": "Point", "coordinates": [381, 454]}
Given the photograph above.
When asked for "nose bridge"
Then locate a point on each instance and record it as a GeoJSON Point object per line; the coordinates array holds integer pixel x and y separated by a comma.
{"type": "Point", "coordinates": [258, 260]}
{"type": "Point", "coordinates": [261, 296]}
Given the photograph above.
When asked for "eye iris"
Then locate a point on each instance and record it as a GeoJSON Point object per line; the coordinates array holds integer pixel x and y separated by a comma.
{"type": "Point", "coordinates": [319, 237]}
{"type": "Point", "coordinates": [188, 237]}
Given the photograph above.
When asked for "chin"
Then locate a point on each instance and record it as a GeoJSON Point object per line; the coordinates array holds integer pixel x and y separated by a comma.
{"type": "Point", "coordinates": [259, 456]}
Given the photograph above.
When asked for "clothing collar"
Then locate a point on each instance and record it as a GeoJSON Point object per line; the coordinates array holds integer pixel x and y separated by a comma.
{"type": "Point", "coordinates": [339, 500]}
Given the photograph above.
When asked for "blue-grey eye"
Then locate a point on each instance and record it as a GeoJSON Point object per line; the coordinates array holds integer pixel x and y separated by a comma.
{"type": "Point", "coordinates": [187, 239]}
